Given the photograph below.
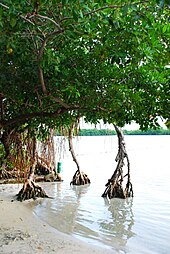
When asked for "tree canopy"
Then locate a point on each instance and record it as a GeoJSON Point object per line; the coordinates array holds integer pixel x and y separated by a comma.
{"type": "Point", "coordinates": [60, 60]}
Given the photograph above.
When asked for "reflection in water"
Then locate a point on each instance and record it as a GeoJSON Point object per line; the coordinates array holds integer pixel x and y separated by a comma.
{"type": "Point", "coordinates": [123, 220]}
{"type": "Point", "coordinates": [74, 210]}
{"type": "Point", "coordinates": [130, 226]}
{"type": "Point", "coordinates": [114, 227]}
{"type": "Point", "coordinates": [62, 211]}
{"type": "Point", "coordinates": [80, 190]}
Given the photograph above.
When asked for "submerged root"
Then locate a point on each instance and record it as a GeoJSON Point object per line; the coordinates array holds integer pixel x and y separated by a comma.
{"type": "Point", "coordinates": [31, 190]}
{"type": "Point", "coordinates": [80, 178]}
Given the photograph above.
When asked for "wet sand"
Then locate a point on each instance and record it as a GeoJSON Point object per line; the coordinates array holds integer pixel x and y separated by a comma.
{"type": "Point", "coordinates": [23, 232]}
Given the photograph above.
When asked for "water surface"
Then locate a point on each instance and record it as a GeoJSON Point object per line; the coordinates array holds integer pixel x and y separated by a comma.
{"type": "Point", "coordinates": [138, 225]}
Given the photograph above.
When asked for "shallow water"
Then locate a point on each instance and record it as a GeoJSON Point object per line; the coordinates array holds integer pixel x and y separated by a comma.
{"type": "Point", "coordinates": [139, 225]}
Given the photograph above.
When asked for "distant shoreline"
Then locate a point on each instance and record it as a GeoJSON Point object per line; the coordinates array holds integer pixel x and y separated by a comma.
{"type": "Point", "coordinates": [108, 132]}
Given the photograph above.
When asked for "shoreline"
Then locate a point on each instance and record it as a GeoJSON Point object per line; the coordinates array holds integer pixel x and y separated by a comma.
{"type": "Point", "coordinates": [21, 231]}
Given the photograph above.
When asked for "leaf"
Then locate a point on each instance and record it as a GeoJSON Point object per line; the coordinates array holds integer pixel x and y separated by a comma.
{"type": "Point", "coordinates": [125, 10]}
{"type": "Point", "coordinates": [81, 14]}
{"type": "Point", "coordinates": [75, 15]}
{"type": "Point", "coordinates": [168, 124]}
{"type": "Point", "coordinates": [164, 29]}
{"type": "Point", "coordinates": [161, 3]}
{"type": "Point", "coordinates": [64, 2]}
{"type": "Point", "coordinates": [13, 21]}
{"type": "Point", "coordinates": [167, 2]}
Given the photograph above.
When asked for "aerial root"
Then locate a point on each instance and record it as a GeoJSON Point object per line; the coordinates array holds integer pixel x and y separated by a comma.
{"type": "Point", "coordinates": [114, 186]}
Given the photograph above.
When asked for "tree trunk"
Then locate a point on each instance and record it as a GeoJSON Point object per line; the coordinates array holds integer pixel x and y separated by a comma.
{"type": "Point", "coordinates": [46, 153]}
{"type": "Point", "coordinates": [114, 186]}
{"type": "Point", "coordinates": [5, 139]}
{"type": "Point", "coordinates": [30, 189]}
{"type": "Point", "coordinates": [79, 178]}
{"type": "Point", "coordinates": [46, 161]}
{"type": "Point", "coordinates": [8, 138]}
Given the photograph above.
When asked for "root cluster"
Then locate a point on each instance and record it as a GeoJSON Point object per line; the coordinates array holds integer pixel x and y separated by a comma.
{"type": "Point", "coordinates": [31, 190]}
{"type": "Point", "coordinates": [114, 189]}
{"type": "Point", "coordinates": [80, 178]}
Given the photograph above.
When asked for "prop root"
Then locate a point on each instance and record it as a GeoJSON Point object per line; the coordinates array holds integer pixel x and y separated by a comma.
{"type": "Point", "coordinates": [114, 186]}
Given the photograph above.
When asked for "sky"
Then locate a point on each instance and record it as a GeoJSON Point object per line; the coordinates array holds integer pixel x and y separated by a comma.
{"type": "Point", "coordinates": [101, 125]}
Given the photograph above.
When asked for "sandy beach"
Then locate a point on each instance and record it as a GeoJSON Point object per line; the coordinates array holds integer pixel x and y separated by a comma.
{"type": "Point", "coordinates": [23, 232]}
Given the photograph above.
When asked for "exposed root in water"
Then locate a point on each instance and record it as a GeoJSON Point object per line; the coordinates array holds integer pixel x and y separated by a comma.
{"type": "Point", "coordinates": [114, 186]}
{"type": "Point", "coordinates": [80, 178]}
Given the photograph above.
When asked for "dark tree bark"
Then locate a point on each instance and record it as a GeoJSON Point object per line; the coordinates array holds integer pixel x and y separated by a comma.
{"type": "Point", "coordinates": [114, 186]}
{"type": "Point", "coordinates": [79, 178]}
{"type": "Point", "coordinates": [6, 140]}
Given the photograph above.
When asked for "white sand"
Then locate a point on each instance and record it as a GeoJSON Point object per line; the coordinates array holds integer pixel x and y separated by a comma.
{"type": "Point", "coordinates": [22, 232]}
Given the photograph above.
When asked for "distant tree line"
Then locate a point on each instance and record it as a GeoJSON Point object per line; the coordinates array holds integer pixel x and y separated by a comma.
{"type": "Point", "coordinates": [107, 132]}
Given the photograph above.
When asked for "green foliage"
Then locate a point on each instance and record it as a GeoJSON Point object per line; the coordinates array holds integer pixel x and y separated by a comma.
{"type": "Point", "coordinates": [96, 132]}
{"type": "Point", "coordinates": [97, 59]}
{"type": "Point", "coordinates": [148, 132]}
{"type": "Point", "coordinates": [107, 132]}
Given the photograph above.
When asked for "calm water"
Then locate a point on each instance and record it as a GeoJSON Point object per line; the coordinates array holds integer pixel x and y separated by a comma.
{"type": "Point", "coordinates": [138, 225]}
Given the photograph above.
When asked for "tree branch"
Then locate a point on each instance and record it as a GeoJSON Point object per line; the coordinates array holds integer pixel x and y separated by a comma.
{"type": "Point", "coordinates": [62, 103]}
{"type": "Point", "coordinates": [102, 8]}
{"type": "Point", "coordinates": [25, 18]}
{"type": "Point", "coordinates": [41, 50]}
{"type": "Point", "coordinates": [111, 7]}
{"type": "Point", "coordinates": [22, 118]}
{"type": "Point", "coordinates": [3, 5]}
{"type": "Point", "coordinates": [49, 19]}
{"type": "Point", "coordinates": [41, 76]}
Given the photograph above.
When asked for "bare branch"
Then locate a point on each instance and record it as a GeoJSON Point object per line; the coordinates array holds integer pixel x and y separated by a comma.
{"type": "Point", "coordinates": [41, 76]}
{"type": "Point", "coordinates": [28, 20]}
{"type": "Point", "coordinates": [66, 18]}
{"type": "Point", "coordinates": [49, 19]}
{"type": "Point", "coordinates": [5, 6]}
